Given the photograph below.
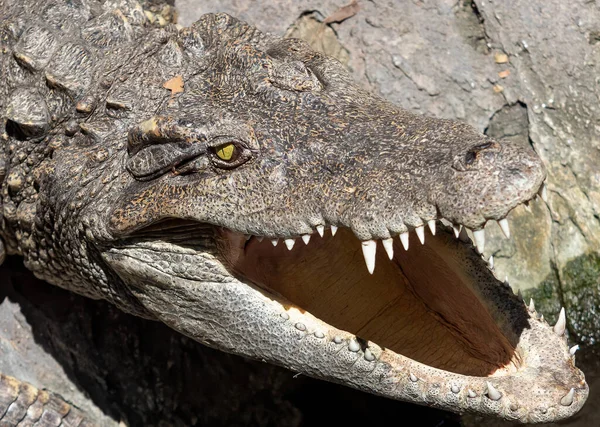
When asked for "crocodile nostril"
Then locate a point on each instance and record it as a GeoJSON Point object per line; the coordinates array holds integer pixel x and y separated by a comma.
{"type": "Point", "coordinates": [474, 151]}
{"type": "Point", "coordinates": [470, 157]}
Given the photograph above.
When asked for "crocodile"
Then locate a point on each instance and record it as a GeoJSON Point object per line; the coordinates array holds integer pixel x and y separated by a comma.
{"type": "Point", "coordinates": [244, 190]}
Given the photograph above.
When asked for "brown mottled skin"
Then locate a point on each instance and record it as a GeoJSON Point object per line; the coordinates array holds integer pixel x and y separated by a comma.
{"type": "Point", "coordinates": [113, 186]}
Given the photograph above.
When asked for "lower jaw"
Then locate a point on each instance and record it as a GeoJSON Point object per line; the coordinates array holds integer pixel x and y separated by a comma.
{"type": "Point", "coordinates": [239, 318]}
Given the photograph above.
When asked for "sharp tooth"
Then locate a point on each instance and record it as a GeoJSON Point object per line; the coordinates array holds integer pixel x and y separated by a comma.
{"type": "Point", "coordinates": [404, 240]}
{"type": "Point", "coordinates": [456, 228]}
{"type": "Point", "coordinates": [567, 399]}
{"type": "Point", "coordinates": [248, 237]}
{"type": "Point", "coordinates": [573, 349]}
{"type": "Point", "coordinates": [431, 224]}
{"type": "Point", "coordinates": [306, 239]}
{"type": "Point", "coordinates": [491, 262]}
{"type": "Point", "coordinates": [492, 392]}
{"type": "Point", "coordinates": [527, 207]}
{"type": "Point", "coordinates": [479, 236]}
{"type": "Point", "coordinates": [353, 346]}
{"type": "Point", "coordinates": [531, 305]}
{"type": "Point", "coordinates": [463, 235]}
{"type": "Point", "coordinates": [260, 238]}
{"type": "Point", "coordinates": [420, 234]}
{"type": "Point", "coordinates": [321, 230]}
{"type": "Point", "coordinates": [388, 245]}
{"type": "Point", "coordinates": [368, 355]}
{"type": "Point", "coordinates": [290, 243]}
{"type": "Point", "coordinates": [561, 323]}
{"type": "Point", "coordinates": [333, 230]}
{"type": "Point", "coordinates": [274, 241]}
{"type": "Point", "coordinates": [503, 223]}
{"type": "Point", "coordinates": [413, 377]}
{"type": "Point", "coordinates": [472, 394]}
{"type": "Point", "coordinates": [369, 248]}
{"type": "Point", "coordinates": [543, 192]}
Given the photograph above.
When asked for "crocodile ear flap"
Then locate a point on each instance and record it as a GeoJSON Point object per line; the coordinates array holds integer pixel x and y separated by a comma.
{"type": "Point", "coordinates": [159, 145]}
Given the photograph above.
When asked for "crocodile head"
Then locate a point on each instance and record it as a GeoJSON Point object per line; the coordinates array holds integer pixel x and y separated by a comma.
{"type": "Point", "coordinates": [272, 208]}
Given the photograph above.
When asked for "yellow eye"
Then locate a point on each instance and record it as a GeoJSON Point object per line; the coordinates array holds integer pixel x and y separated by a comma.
{"type": "Point", "coordinates": [226, 151]}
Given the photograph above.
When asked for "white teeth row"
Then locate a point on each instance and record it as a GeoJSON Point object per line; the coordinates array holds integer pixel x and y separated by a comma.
{"type": "Point", "coordinates": [369, 247]}
{"type": "Point", "coordinates": [289, 243]}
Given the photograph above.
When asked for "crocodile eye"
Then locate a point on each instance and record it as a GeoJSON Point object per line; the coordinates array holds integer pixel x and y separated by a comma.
{"type": "Point", "coordinates": [230, 154]}
{"type": "Point", "coordinates": [226, 151]}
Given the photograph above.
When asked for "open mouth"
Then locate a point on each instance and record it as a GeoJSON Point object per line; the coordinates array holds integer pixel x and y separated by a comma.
{"type": "Point", "coordinates": [424, 303]}
{"type": "Point", "coordinates": [427, 321]}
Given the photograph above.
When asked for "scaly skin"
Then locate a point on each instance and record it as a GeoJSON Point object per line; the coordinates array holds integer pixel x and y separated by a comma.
{"type": "Point", "coordinates": [24, 405]}
{"type": "Point", "coordinates": [137, 159]}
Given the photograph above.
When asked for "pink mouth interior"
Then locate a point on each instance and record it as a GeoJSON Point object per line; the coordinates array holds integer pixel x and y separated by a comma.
{"type": "Point", "coordinates": [422, 304]}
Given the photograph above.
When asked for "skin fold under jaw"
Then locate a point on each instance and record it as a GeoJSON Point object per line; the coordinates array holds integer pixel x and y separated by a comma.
{"type": "Point", "coordinates": [271, 208]}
